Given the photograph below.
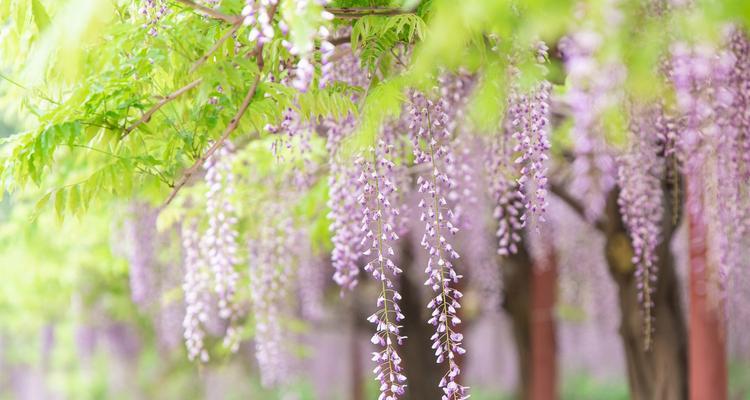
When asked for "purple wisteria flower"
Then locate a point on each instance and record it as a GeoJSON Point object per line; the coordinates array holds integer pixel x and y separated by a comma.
{"type": "Point", "coordinates": [219, 242]}
{"type": "Point", "coordinates": [256, 14]}
{"type": "Point", "coordinates": [345, 214]}
{"type": "Point", "coordinates": [430, 136]}
{"type": "Point", "coordinates": [378, 230]}
{"type": "Point", "coordinates": [504, 191]}
{"type": "Point", "coordinates": [529, 115]}
{"type": "Point", "coordinates": [641, 203]}
{"type": "Point", "coordinates": [154, 11]}
{"type": "Point", "coordinates": [271, 261]}
{"type": "Point", "coordinates": [594, 87]}
{"type": "Point", "coordinates": [196, 286]}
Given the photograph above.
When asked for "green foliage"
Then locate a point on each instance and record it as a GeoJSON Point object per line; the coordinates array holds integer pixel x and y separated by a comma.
{"type": "Point", "coordinates": [377, 38]}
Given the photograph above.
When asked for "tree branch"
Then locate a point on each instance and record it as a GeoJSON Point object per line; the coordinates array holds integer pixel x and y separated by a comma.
{"type": "Point", "coordinates": [232, 19]}
{"type": "Point", "coordinates": [215, 47]}
{"type": "Point", "coordinates": [147, 115]}
{"type": "Point", "coordinates": [337, 41]}
{"type": "Point", "coordinates": [346, 13]}
{"type": "Point", "coordinates": [228, 130]}
{"type": "Point", "coordinates": [572, 202]}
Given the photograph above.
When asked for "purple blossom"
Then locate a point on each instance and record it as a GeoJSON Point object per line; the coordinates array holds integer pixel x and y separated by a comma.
{"type": "Point", "coordinates": [140, 232]}
{"type": "Point", "coordinates": [594, 87]}
{"type": "Point", "coordinates": [378, 232]}
{"type": "Point", "coordinates": [219, 242]}
{"type": "Point", "coordinates": [154, 11]}
{"type": "Point", "coordinates": [256, 14]}
{"type": "Point", "coordinates": [430, 136]}
{"type": "Point", "coordinates": [345, 189]}
{"type": "Point", "coordinates": [197, 293]}
{"type": "Point", "coordinates": [529, 115]}
{"type": "Point", "coordinates": [505, 194]}
{"type": "Point", "coordinates": [641, 204]}
{"type": "Point", "coordinates": [271, 264]}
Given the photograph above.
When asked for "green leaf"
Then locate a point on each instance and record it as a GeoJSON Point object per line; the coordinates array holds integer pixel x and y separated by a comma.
{"type": "Point", "coordinates": [40, 205]}
{"type": "Point", "coordinates": [60, 204]}
{"type": "Point", "coordinates": [74, 200]}
{"type": "Point", "coordinates": [41, 18]}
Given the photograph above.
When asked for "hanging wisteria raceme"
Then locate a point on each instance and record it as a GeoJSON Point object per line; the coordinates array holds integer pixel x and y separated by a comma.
{"type": "Point", "coordinates": [304, 70]}
{"type": "Point", "coordinates": [271, 267]}
{"type": "Point", "coordinates": [347, 67]}
{"type": "Point", "coordinates": [455, 90]}
{"type": "Point", "coordinates": [153, 11]}
{"type": "Point", "coordinates": [430, 136]}
{"type": "Point", "coordinates": [378, 230]}
{"type": "Point", "coordinates": [739, 82]}
{"type": "Point", "coordinates": [737, 181]}
{"type": "Point", "coordinates": [477, 224]}
{"type": "Point", "coordinates": [508, 203]}
{"type": "Point", "coordinates": [256, 13]}
{"type": "Point", "coordinates": [468, 196]}
{"type": "Point", "coordinates": [344, 186]}
{"type": "Point", "coordinates": [529, 114]}
{"type": "Point", "coordinates": [197, 286]}
{"type": "Point", "coordinates": [219, 241]}
{"type": "Point", "coordinates": [594, 88]}
{"type": "Point", "coordinates": [140, 235]}
{"type": "Point", "coordinates": [312, 276]}
{"type": "Point", "coordinates": [345, 214]}
{"type": "Point", "coordinates": [640, 176]}
{"type": "Point", "coordinates": [700, 75]}
{"type": "Point", "coordinates": [732, 158]}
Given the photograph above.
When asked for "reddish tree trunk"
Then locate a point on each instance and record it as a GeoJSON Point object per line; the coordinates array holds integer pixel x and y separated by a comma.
{"type": "Point", "coordinates": [707, 347]}
{"type": "Point", "coordinates": [543, 342]}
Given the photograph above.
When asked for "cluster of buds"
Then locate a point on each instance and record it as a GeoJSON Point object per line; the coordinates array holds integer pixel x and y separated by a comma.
{"type": "Point", "coordinates": [154, 11]}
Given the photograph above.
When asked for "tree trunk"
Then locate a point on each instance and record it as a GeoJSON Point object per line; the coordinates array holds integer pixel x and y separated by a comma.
{"type": "Point", "coordinates": [422, 372]}
{"type": "Point", "coordinates": [517, 273]}
{"type": "Point", "coordinates": [543, 340]}
{"type": "Point", "coordinates": [708, 365]}
{"type": "Point", "coordinates": [357, 387]}
{"type": "Point", "coordinates": [660, 373]}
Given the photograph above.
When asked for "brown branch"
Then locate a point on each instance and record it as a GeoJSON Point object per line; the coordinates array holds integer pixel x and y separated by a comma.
{"type": "Point", "coordinates": [215, 47]}
{"type": "Point", "coordinates": [572, 202]}
{"type": "Point", "coordinates": [341, 40]}
{"type": "Point", "coordinates": [345, 13]}
{"type": "Point", "coordinates": [148, 114]}
{"type": "Point", "coordinates": [232, 19]}
{"type": "Point", "coordinates": [228, 130]}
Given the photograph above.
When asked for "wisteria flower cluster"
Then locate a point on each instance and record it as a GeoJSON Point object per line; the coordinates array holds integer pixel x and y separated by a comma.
{"type": "Point", "coordinates": [505, 194]}
{"type": "Point", "coordinates": [153, 11]}
{"type": "Point", "coordinates": [430, 136]}
{"type": "Point", "coordinates": [196, 286]}
{"type": "Point", "coordinates": [529, 115]}
{"type": "Point", "coordinates": [271, 264]}
{"type": "Point", "coordinates": [639, 178]}
{"type": "Point", "coordinates": [345, 191]}
{"type": "Point", "coordinates": [378, 231]}
{"type": "Point", "coordinates": [219, 242]}
{"type": "Point", "coordinates": [592, 92]}
{"type": "Point", "coordinates": [258, 14]}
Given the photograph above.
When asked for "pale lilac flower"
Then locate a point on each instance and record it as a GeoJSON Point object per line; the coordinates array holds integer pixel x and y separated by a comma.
{"type": "Point", "coordinates": [378, 229]}
{"type": "Point", "coordinates": [430, 136]}
{"type": "Point", "coordinates": [219, 242]}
